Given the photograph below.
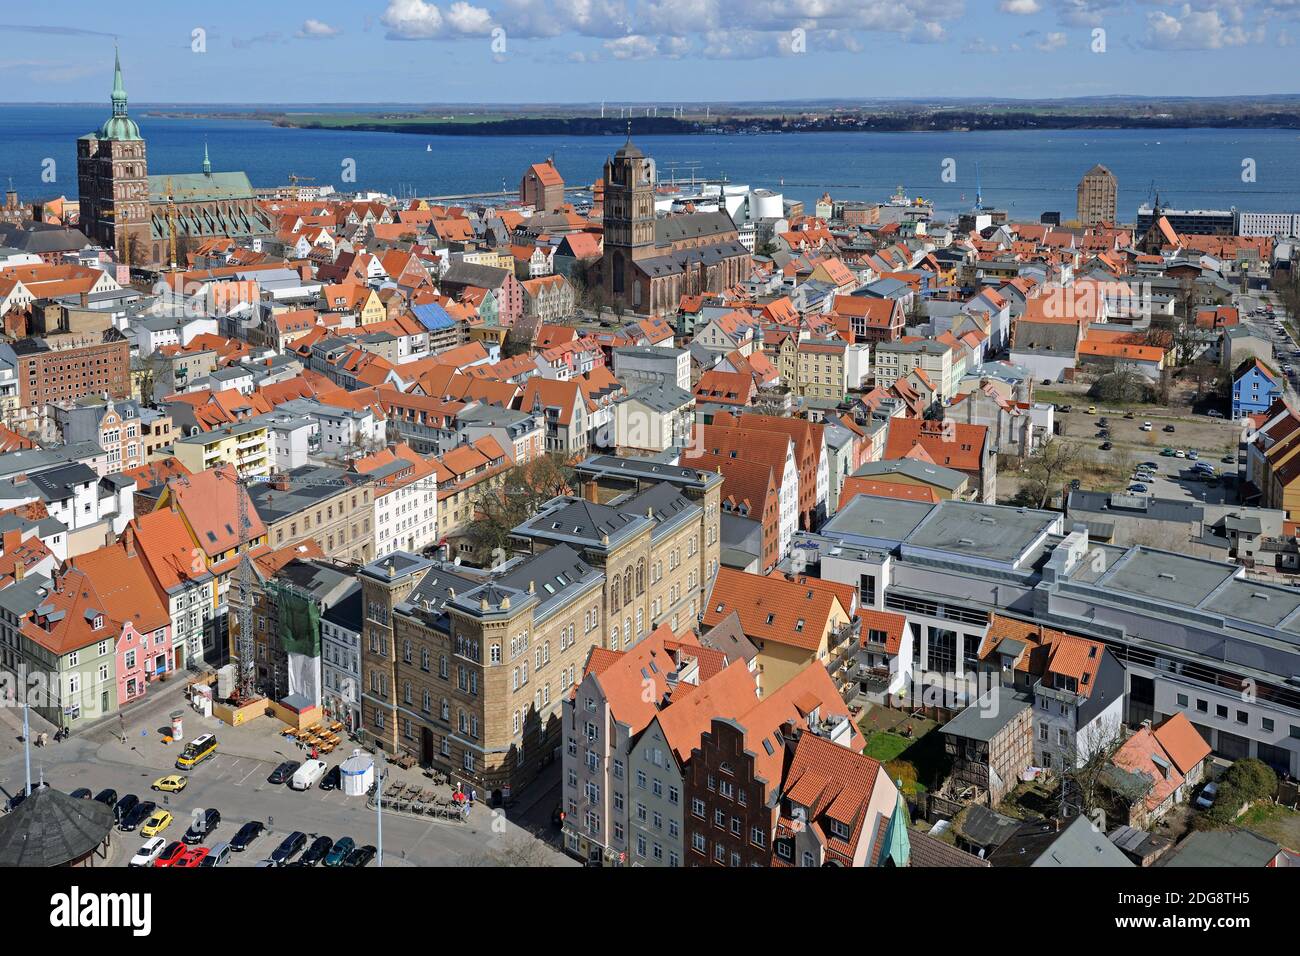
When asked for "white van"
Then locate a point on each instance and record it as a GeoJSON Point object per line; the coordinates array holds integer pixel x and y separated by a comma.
{"type": "Point", "coordinates": [306, 776]}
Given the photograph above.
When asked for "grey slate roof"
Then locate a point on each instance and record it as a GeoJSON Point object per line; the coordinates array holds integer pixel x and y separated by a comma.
{"type": "Point", "coordinates": [986, 718]}
{"type": "Point", "coordinates": [1078, 844]}
{"type": "Point", "coordinates": [1232, 847]}
{"type": "Point", "coordinates": [50, 828]}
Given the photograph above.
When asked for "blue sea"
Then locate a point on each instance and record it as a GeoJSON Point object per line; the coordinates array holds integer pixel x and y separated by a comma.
{"type": "Point", "coordinates": [1025, 171]}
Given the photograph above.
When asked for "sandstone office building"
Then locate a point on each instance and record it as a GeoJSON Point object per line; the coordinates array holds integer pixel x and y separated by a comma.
{"type": "Point", "coordinates": [466, 669]}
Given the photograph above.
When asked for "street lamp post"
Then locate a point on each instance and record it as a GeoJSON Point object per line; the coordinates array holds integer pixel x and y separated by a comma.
{"type": "Point", "coordinates": [379, 803]}
{"type": "Point", "coordinates": [27, 747]}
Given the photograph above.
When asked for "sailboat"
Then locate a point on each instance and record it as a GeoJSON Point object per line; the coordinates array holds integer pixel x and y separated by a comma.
{"type": "Point", "coordinates": [428, 148]}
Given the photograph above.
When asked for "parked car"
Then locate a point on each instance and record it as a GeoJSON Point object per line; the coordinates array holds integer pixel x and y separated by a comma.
{"type": "Point", "coordinates": [1168, 428]}
{"type": "Point", "coordinates": [1128, 414]}
{"type": "Point", "coordinates": [1207, 796]}
{"type": "Point", "coordinates": [1092, 409]}
{"type": "Point", "coordinates": [1106, 446]}
{"type": "Point", "coordinates": [338, 854]}
{"type": "Point", "coordinates": [1167, 453]}
{"type": "Point", "coordinates": [284, 773]}
{"type": "Point", "coordinates": [157, 822]}
{"type": "Point", "coordinates": [175, 850]}
{"type": "Point", "coordinates": [1229, 459]}
{"type": "Point", "coordinates": [361, 856]}
{"type": "Point", "coordinates": [193, 858]}
{"type": "Point", "coordinates": [172, 783]}
{"type": "Point", "coordinates": [139, 812]}
{"type": "Point", "coordinates": [316, 852]}
{"type": "Point", "coordinates": [289, 847]}
{"type": "Point", "coordinates": [149, 851]}
{"type": "Point", "coordinates": [1214, 413]}
{"type": "Point", "coordinates": [198, 832]}
{"type": "Point", "coordinates": [1193, 454]}
{"type": "Point", "coordinates": [1179, 453]}
{"type": "Point", "coordinates": [249, 832]}
{"type": "Point", "coordinates": [332, 780]}
{"type": "Point", "coordinates": [107, 797]}
{"type": "Point", "coordinates": [1145, 427]}
{"type": "Point", "coordinates": [1138, 489]}
{"type": "Point", "coordinates": [81, 793]}
{"type": "Point", "coordinates": [1066, 409]}
{"type": "Point", "coordinates": [1150, 466]}
{"type": "Point", "coordinates": [217, 856]}
{"type": "Point", "coordinates": [307, 775]}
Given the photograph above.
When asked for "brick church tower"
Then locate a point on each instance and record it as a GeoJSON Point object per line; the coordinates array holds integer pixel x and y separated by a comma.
{"type": "Point", "coordinates": [113, 181]}
{"type": "Point", "coordinates": [629, 222]}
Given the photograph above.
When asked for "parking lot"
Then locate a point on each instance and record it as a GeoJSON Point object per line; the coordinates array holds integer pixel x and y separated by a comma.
{"type": "Point", "coordinates": [1213, 439]}
{"type": "Point", "coordinates": [235, 783]}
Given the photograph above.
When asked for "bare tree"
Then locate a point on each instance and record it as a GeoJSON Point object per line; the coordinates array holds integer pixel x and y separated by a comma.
{"type": "Point", "coordinates": [1048, 465]}
{"type": "Point", "coordinates": [517, 850]}
{"type": "Point", "coordinates": [1087, 776]}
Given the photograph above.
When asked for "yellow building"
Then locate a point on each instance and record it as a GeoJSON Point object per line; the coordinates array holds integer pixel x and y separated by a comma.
{"type": "Point", "coordinates": [246, 446]}
{"type": "Point", "coordinates": [792, 621]}
{"type": "Point", "coordinates": [821, 370]}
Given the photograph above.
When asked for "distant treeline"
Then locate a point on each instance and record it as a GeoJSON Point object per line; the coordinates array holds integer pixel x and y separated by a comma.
{"type": "Point", "coordinates": [902, 121]}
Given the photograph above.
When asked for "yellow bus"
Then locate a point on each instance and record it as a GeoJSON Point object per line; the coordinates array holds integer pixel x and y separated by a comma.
{"type": "Point", "coordinates": [196, 751]}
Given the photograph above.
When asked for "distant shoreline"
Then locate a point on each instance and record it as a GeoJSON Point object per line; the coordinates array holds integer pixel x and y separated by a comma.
{"type": "Point", "coordinates": [950, 121]}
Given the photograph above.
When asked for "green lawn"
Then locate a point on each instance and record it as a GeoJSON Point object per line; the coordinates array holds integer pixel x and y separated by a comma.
{"type": "Point", "coordinates": [919, 761]}
{"type": "Point", "coordinates": [885, 747]}
{"type": "Point", "coordinates": [1275, 822]}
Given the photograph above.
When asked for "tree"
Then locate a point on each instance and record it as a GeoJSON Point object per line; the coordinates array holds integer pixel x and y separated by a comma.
{"type": "Point", "coordinates": [517, 850]}
{"type": "Point", "coordinates": [1122, 386]}
{"type": "Point", "coordinates": [1048, 465]}
{"type": "Point", "coordinates": [1087, 778]}
{"type": "Point", "coordinates": [517, 498]}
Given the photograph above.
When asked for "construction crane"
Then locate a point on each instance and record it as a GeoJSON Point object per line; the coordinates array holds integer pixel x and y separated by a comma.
{"type": "Point", "coordinates": [295, 179]}
{"type": "Point", "coordinates": [244, 682]}
{"type": "Point", "coordinates": [171, 222]}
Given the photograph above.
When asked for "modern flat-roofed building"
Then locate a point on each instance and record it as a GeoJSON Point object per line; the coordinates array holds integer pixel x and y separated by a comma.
{"type": "Point", "coordinates": [1194, 635]}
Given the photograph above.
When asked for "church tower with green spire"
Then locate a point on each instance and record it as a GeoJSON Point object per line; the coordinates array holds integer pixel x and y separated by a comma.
{"type": "Point", "coordinates": [113, 181]}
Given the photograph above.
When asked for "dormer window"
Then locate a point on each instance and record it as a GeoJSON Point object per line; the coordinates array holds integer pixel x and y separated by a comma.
{"type": "Point", "coordinates": [97, 622]}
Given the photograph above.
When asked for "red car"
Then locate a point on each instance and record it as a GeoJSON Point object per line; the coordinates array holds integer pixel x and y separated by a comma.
{"type": "Point", "coordinates": [172, 855]}
{"type": "Point", "coordinates": [192, 857]}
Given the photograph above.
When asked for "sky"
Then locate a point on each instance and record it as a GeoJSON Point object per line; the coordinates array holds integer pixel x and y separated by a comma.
{"type": "Point", "coordinates": [651, 52]}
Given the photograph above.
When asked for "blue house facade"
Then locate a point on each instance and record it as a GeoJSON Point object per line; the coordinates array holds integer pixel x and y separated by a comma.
{"type": "Point", "coordinates": [1253, 389]}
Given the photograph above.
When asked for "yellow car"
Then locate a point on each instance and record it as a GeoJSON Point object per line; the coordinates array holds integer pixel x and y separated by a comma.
{"type": "Point", "coordinates": [172, 783]}
{"type": "Point", "coordinates": [1092, 409]}
{"type": "Point", "coordinates": [158, 822]}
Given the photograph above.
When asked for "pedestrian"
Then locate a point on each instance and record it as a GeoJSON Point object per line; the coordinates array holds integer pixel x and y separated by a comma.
{"type": "Point", "coordinates": [473, 795]}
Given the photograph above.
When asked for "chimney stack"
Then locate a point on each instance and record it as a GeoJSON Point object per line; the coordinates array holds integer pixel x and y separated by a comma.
{"type": "Point", "coordinates": [128, 538]}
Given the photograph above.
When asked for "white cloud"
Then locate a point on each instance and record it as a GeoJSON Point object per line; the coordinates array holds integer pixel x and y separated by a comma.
{"type": "Point", "coordinates": [1193, 29]}
{"type": "Point", "coordinates": [632, 47]}
{"type": "Point", "coordinates": [1052, 41]}
{"type": "Point", "coordinates": [417, 20]}
{"type": "Point", "coordinates": [669, 28]}
{"type": "Point", "coordinates": [979, 45]}
{"type": "Point", "coordinates": [313, 29]}
{"type": "Point", "coordinates": [1020, 8]}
